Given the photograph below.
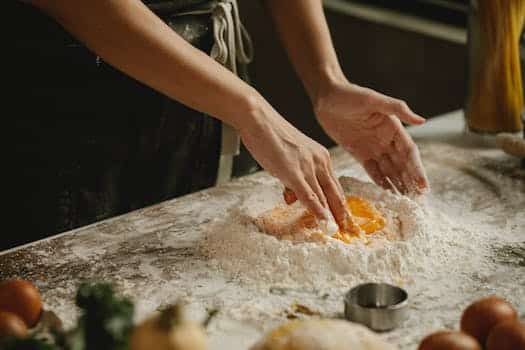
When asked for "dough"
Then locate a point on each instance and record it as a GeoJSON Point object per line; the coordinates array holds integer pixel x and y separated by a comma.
{"type": "Point", "coordinates": [322, 335]}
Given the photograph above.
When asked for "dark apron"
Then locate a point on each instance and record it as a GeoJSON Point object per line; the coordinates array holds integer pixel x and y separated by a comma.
{"type": "Point", "coordinates": [88, 142]}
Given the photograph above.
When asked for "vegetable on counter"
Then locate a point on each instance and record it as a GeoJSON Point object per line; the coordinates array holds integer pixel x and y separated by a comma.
{"type": "Point", "coordinates": [22, 298]}
{"type": "Point", "coordinates": [106, 321]}
{"type": "Point", "coordinates": [169, 331]}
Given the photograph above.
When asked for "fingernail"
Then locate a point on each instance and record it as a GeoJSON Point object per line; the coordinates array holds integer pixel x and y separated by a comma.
{"type": "Point", "coordinates": [421, 182]}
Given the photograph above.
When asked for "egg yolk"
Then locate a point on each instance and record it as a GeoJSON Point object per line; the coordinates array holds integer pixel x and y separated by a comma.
{"type": "Point", "coordinates": [363, 218]}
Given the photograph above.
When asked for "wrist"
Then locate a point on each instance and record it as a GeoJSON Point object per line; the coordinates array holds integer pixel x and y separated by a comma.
{"type": "Point", "coordinates": [251, 112]}
{"type": "Point", "coordinates": [328, 80]}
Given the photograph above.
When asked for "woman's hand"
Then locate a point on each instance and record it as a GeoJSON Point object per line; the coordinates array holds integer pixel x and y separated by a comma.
{"type": "Point", "coordinates": [302, 165]}
{"type": "Point", "coordinates": [367, 124]}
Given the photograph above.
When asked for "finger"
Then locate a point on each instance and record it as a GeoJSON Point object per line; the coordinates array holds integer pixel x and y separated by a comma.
{"type": "Point", "coordinates": [334, 195]}
{"type": "Point", "coordinates": [408, 155]}
{"type": "Point", "coordinates": [401, 110]}
{"type": "Point", "coordinates": [289, 196]}
{"type": "Point", "coordinates": [401, 165]}
{"type": "Point", "coordinates": [388, 168]}
{"type": "Point", "coordinates": [312, 180]}
{"type": "Point", "coordinates": [335, 179]}
{"type": "Point", "coordinates": [307, 196]}
{"type": "Point", "coordinates": [410, 175]}
{"type": "Point", "coordinates": [372, 168]}
{"type": "Point", "coordinates": [417, 171]}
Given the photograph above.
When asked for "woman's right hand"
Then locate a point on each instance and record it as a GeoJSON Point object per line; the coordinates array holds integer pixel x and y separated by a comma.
{"type": "Point", "coordinates": [303, 165]}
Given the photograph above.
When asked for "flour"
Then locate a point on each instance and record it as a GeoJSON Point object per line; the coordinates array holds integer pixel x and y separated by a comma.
{"type": "Point", "coordinates": [239, 249]}
{"type": "Point", "coordinates": [463, 241]}
{"type": "Point", "coordinates": [442, 257]}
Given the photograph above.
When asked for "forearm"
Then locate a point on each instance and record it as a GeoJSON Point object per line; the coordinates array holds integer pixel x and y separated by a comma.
{"type": "Point", "coordinates": [126, 34]}
{"type": "Point", "coordinates": [306, 37]}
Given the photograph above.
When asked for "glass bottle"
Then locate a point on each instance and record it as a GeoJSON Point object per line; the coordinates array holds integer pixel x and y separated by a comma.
{"type": "Point", "coordinates": [495, 93]}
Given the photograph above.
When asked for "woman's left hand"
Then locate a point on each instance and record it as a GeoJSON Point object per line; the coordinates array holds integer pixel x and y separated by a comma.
{"type": "Point", "coordinates": [368, 125]}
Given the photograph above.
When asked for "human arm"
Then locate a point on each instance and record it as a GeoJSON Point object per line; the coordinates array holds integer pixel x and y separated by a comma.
{"type": "Point", "coordinates": [363, 121]}
{"type": "Point", "coordinates": [127, 35]}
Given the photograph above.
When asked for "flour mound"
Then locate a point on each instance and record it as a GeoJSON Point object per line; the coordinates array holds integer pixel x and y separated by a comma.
{"type": "Point", "coordinates": [236, 247]}
{"type": "Point", "coordinates": [404, 216]}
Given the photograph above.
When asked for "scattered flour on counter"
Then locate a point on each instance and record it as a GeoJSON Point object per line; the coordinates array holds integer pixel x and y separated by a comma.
{"type": "Point", "coordinates": [430, 244]}
{"type": "Point", "coordinates": [443, 258]}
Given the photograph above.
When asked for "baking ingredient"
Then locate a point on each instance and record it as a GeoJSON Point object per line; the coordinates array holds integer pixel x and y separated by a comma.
{"type": "Point", "coordinates": [22, 298]}
{"type": "Point", "coordinates": [445, 260]}
{"type": "Point", "coordinates": [481, 316]}
{"type": "Point", "coordinates": [296, 223]}
{"type": "Point", "coordinates": [365, 215]}
{"type": "Point", "coordinates": [237, 244]}
{"type": "Point", "coordinates": [324, 334]}
{"type": "Point", "coordinates": [106, 321]}
{"type": "Point", "coordinates": [169, 331]}
{"type": "Point", "coordinates": [449, 340]}
{"type": "Point", "coordinates": [495, 103]}
{"type": "Point", "coordinates": [509, 335]}
{"type": "Point", "coordinates": [11, 325]}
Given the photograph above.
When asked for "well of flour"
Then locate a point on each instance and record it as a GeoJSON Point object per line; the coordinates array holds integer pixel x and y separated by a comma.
{"type": "Point", "coordinates": [441, 258]}
{"type": "Point", "coordinates": [239, 248]}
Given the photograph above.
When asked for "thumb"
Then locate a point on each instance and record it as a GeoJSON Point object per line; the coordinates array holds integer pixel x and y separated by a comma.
{"type": "Point", "coordinates": [400, 109]}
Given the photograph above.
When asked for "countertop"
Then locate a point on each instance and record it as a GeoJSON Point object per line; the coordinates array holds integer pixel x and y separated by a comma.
{"type": "Point", "coordinates": [143, 252]}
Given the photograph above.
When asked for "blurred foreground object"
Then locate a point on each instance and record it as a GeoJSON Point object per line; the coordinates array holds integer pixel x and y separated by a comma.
{"type": "Point", "coordinates": [321, 334]}
{"type": "Point", "coordinates": [170, 330]}
{"type": "Point", "coordinates": [495, 92]}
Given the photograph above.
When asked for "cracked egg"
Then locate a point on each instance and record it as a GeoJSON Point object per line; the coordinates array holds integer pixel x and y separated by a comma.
{"type": "Point", "coordinates": [295, 223]}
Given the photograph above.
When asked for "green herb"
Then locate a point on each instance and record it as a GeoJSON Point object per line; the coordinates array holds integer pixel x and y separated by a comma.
{"type": "Point", "coordinates": [106, 321]}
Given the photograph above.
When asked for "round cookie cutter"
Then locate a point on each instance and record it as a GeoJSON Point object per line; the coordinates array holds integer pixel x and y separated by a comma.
{"type": "Point", "coordinates": [379, 306]}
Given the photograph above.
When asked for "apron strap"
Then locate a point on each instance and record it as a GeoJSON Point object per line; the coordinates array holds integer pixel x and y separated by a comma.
{"type": "Point", "coordinates": [232, 45]}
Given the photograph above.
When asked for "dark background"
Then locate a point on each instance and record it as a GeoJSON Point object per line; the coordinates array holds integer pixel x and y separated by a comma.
{"type": "Point", "coordinates": [428, 73]}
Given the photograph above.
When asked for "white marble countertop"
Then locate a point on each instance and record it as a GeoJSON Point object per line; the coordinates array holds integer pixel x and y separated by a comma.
{"type": "Point", "coordinates": [144, 252]}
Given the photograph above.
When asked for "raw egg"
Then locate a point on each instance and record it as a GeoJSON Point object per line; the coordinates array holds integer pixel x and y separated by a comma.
{"type": "Point", "coordinates": [480, 317]}
{"type": "Point", "coordinates": [508, 335]}
{"type": "Point", "coordinates": [296, 223]}
{"type": "Point", "coordinates": [449, 340]}
{"type": "Point", "coordinates": [21, 298]}
{"type": "Point", "coordinates": [11, 325]}
{"type": "Point", "coordinates": [363, 218]}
